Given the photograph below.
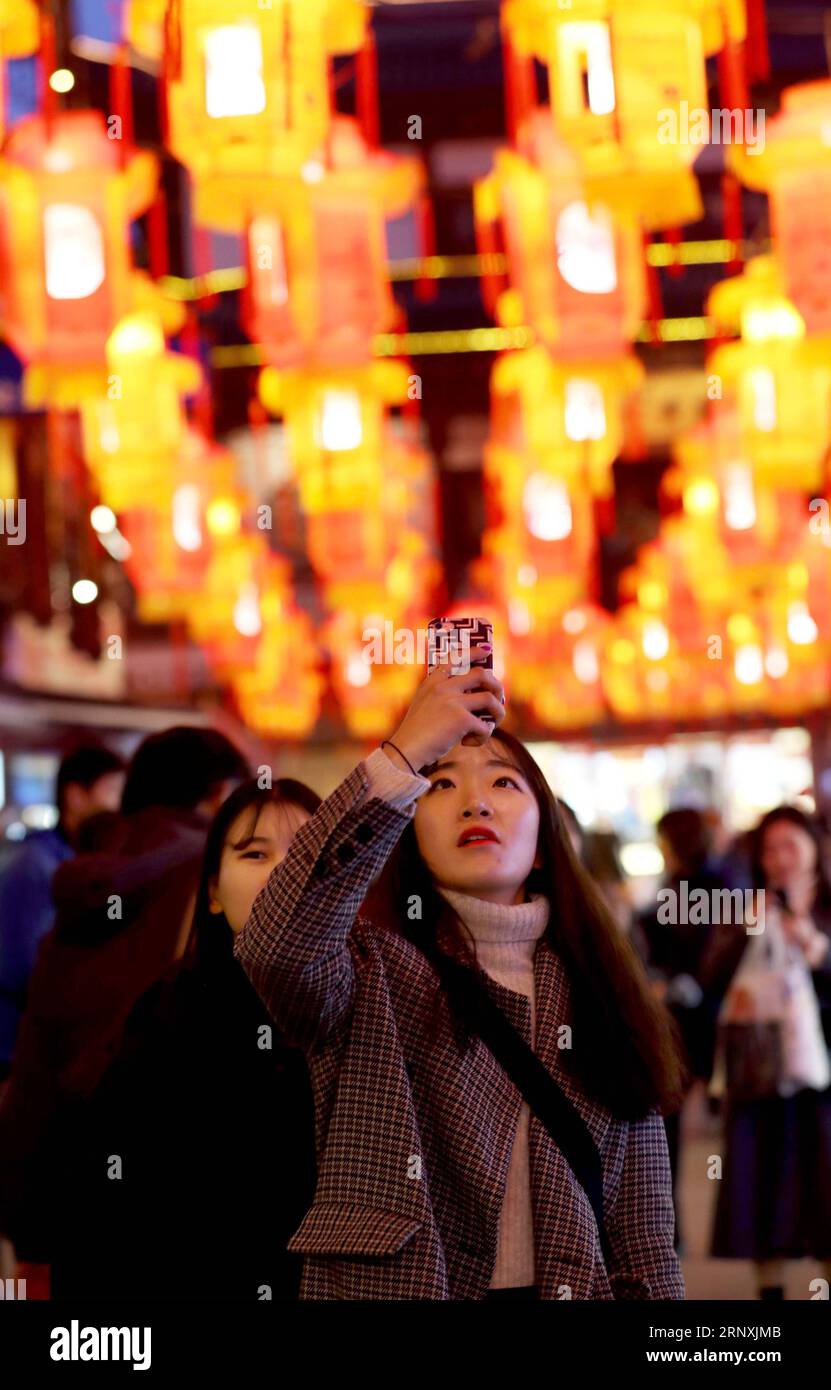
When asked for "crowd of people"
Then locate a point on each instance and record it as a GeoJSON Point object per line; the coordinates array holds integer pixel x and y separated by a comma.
{"type": "Point", "coordinates": [412, 1041]}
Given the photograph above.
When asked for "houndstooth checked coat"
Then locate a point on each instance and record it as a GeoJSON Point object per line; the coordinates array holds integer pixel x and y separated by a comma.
{"type": "Point", "coordinates": [413, 1139]}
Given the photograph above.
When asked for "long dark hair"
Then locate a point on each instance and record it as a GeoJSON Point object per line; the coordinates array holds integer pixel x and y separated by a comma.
{"type": "Point", "coordinates": [211, 937]}
{"type": "Point", "coordinates": [792, 815]}
{"type": "Point", "coordinates": [627, 1056]}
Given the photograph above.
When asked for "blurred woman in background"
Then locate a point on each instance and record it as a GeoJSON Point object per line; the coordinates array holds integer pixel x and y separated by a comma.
{"type": "Point", "coordinates": [773, 1200]}
{"type": "Point", "coordinates": [203, 1098]}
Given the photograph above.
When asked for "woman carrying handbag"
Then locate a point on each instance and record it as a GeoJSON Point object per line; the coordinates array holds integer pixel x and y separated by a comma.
{"type": "Point", "coordinates": [438, 1173]}
{"type": "Point", "coordinates": [772, 1060]}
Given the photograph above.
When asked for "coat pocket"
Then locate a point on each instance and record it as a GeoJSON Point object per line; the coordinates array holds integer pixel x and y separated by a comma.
{"type": "Point", "coordinates": [345, 1228]}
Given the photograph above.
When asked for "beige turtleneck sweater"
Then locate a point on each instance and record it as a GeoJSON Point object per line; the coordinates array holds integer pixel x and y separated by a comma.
{"type": "Point", "coordinates": [506, 939]}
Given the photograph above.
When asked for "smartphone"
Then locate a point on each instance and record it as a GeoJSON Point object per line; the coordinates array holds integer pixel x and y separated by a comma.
{"type": "Point", "coordinates": [461, 643]}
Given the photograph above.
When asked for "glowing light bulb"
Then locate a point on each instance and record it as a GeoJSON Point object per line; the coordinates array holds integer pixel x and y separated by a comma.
{"type": "Point", "coordinates": [748, 665]}
{"type": "Point", "coordinates": [586, 249]}
{"type": "Point", "coordinates": [574, 621]}
{"type": "Point", "coordinates": [62, 80]}
{"type": "Point", "coordinates": [762, 385]}
{"type": "Point", "coordinates": [547, 507]}
{"type": "Point", "coordinates": [739, 498]}
{"type": "Point", "coordinates": [701, 497]}
{"type": "Point", "coordinates": [339, 425]}
{"type": "Point", "coordinates": [585, 412]}
{"type": "Point", "coordinates": [103, 520]}
{"type": "Point", "coordinates": [234, 71]}
{"type": "Point", "coordinates": [584, 662]}
{"type": "Point", "coordinates": [802, 630]}
{"type": "Point", "coordinates": [73, 248]}
{"type": "Point", "coordinates": [776, 662]}
{"type": "Point", "coordinates": [247, 619]}
{"type": "Point", "coordinates": [187, 532]}
{"type": "Point", "coordinates": [84, 591]}
{"type": "Point", "coordinates": [357, 669]}
{"type": "Point", "coordinates": [223, 517]}
{"type": "Point", "coordinates": [655, 640]}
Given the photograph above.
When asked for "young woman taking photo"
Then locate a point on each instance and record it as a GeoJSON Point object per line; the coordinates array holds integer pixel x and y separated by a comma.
{"type": "Point", "coordinates": [436, 1178]}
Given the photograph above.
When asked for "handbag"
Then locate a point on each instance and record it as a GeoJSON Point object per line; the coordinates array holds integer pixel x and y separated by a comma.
{"type": "Point", "coordinates": [550, 1104]}
{"type": "Point", "coordinates": [753, 1059]}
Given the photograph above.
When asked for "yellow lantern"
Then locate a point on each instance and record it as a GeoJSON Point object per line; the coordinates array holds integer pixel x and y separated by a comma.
{"type": "Point", "coordinates": [780, 379]}
{"type": "Point", "coordinates": [569, 417]}
{"type": "Point", "coordinates": [248, 93]}
{"type": "Point", "coordinates": [279, 690]}
{"type": "Point", "coordinates": [66, 201]}
{"type": "Point", "coordinates": [133, 434]}
{"type": "Point", "coordinates": [555, 670]}
{"type": "Point", "coordinates": [170, 531]}
{"type": "Point", "coordinates": [754, 526]}
{"type": "Point", "coordinates": [622, 76]}
{"type": "Point", "coordinates": [317, 289]}
{"type": "Point", "coordinates": [576, 268]}
{"type": "Point", "coordinates": [337, 416]}
{"type": "Point", "coordinates": [372, 695]}
{"type": "Point", "coordinates": [793, 166]}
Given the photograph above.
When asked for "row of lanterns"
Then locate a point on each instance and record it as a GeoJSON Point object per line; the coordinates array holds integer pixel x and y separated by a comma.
{"type": "Point", "coordinates": [592, 172]}
{"type": "Point", "coordinates": [729, 609]}
{"type": "Point", "coordinates": [249, 110]}
{"type": "Point", "coordinates": [724, 612]}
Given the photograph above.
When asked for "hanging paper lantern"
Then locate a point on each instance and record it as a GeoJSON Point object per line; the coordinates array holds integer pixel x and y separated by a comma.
{"type": "Point", "coordinates": [339, 414]}
{"type": "Point", "coordinates": [371, 694]}
{"type": "Point", "coordinates": [317, 291]}
{"type": "Point", "coordinates": [555, 669]}
{"type": "Point", "coordinates": [279, 690]}
{"type": "Point", "coordinates": [779, 379]}
{"type": "Point", "coordinates": [756, 526]}
{"type": "Point", "coordinates": [133, 434]}
{"type": "Point", "coordinates": [664, 586]}
{"type": "Point", "coordinates": [540, 542]}
{"type": "Point", "coordinates": [568, 417]}
{"type": "Point", "coordinates": [173, 533]}
{"type": "Point", "coordinates": [793, 166]}
{"type": "Point", "coordinates": [576, 269]}
{"type": "Point", "coordinates": [248, 94]}
{"type": "Point", "coordinates": [67, 196]}
{"type": "Point", "coordinates": [620, 74]}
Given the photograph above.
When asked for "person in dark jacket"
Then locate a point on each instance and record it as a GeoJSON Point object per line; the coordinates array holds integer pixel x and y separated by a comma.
{"type": "Point", "coordinates": [90, 780]}
{"type": "Point", "coordinates": [676, 947]}
{"type": "Point", "coordinates": [124, 916]}
{"type": "Point", "coordinates": [202, 1091]}
{"type": "Point", "coordinates": [773, 1199]}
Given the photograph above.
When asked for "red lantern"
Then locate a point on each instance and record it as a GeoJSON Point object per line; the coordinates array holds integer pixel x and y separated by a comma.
{"type": "Point", "coordinates": [67, 197]}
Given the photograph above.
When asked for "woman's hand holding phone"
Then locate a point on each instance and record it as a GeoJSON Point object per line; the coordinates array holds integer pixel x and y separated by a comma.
{"type": "Point", "coordinates": [442, 714]}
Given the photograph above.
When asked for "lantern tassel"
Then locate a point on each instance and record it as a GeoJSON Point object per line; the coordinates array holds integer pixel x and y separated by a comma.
{"type": "Point", "coordinates": [366, 72]}
{"type": "Point", "coordinates": [426, 287]}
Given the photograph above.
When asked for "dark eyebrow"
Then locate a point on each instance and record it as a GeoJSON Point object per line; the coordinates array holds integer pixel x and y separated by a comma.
{"type": "Point", "coordinates": [492, 762]}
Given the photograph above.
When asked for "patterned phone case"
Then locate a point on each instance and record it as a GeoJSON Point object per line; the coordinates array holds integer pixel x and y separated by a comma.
{"type": "Point", "coordinates": [452, 641]}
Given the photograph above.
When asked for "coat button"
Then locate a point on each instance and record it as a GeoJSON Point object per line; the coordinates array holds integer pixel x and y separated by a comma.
{"type": "Point", "coordinates": [364, 834]}
{"type": "Point", "coordinates": [346, 854]}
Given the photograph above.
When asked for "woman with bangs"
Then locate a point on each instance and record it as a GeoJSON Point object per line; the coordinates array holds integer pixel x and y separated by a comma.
{"type": "Point", "coordinates": [446, 1171]}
